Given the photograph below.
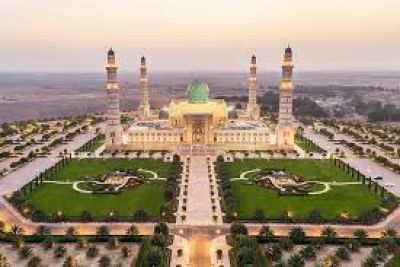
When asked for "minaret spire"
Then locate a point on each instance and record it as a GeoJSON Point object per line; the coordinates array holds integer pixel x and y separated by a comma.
{"type": "Point", "coordinates": [285, 128]}
{"type": "Point", "coordinates": [144, 106]}
{"type": "Point", "coordinates": [253, 110]}
{"type": "Point", "coordinates": [113, 127]}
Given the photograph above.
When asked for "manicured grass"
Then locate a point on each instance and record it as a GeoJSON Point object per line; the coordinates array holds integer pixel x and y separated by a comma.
{"type": "Point", "coordinates": [88, 168]}
{"type": "Point", "coordinates": [148, 196]}
{"type": "Point", "coordinates": [52, 197]}
{"type": "Point", "coordinates": [309, 169]}
{"type": "Point", "coordinates": [307, 147]}
{"type": "Point", "coordinates": [249, 197]}
{"type": "Point", "coordinates": [95, 144]}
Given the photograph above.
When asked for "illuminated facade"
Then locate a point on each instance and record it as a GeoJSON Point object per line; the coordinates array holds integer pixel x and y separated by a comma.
{"type": "Point", "coordinates": [198, 120]}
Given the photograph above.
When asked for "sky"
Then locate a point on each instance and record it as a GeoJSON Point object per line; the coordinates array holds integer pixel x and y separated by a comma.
{"type": "Point", "coordinates": [199, 35]}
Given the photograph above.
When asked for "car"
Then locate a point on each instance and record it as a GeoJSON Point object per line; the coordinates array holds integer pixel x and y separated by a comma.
{"type": "Point", "coordinates": [389, 185]}
{"type": "Point", "coordinates": [378, 178]}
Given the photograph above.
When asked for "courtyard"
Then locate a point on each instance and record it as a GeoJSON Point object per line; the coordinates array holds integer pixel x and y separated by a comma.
{"type": "Point", "coordinates": [346, 198]}
{"type": "Point", "coordinates": [57, 194]}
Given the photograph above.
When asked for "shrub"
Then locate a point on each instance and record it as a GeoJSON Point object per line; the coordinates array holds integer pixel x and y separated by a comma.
{"type": "Point", "coordinates": [297, 235]}
{"type": "Point", "coordinates": [25, 252]}
{"type": "Point", "coordinates": [238, 229]}
{"type": "Point", "coordinates": [286, 244]}
{"type": "Point", "coordinates": [104, 261]}
{"type": "Point", "coordinates": [308, 252]}
{"type": "Point", "coordinates": [342, 253]}
{"type": "Point", "coordinates": [60, 251]}
{"type": "Point", "coordinates": [296, 260]}
{"type": "Point", "coordinates": [33, 262]}
{"type": "Point", "coordinates": [92, 252]}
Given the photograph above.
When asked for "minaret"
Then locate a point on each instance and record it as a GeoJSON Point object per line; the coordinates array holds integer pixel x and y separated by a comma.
{"type": "Point", "coordinates": [113, 127]}
{"type": "Point", "coordinates": [144, 106]}
{"type": "Point", "coordinates": [253, 110]}
{"type": "Point", "coordinates": [285, 128]}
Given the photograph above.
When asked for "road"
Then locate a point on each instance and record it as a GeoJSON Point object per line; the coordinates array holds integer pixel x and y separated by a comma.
{"type": "Point", "coordinates": [365, 165]}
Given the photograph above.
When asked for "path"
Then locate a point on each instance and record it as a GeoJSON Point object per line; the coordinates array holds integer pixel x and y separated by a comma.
{"type": "Point", "coordinates": [198, 211]}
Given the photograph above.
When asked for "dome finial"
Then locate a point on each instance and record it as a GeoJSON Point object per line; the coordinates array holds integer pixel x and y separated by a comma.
{"type": "Point", "coordinates": [110, 52]}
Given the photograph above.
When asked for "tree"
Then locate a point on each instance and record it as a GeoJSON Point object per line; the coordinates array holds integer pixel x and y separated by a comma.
{"type": "Point", "coordinates": [92, 252]}
{"type": "Point", "coordinates": [354, 245]}
{"type": "Point", "coordinates": [295, 260]}
{"type": "Point", "coordinates": [161, 228]}
{"type": "Point", "coordinates": [70, 261]}
{"type": "Point", "coordinates": [329, 234]}
{"type": "Point", "coordinates": [238, 229]}
{"type": "Point", "coordinates": [17, 230]}
{"type": "Point", "coordinates": [308, 252]}
{"type": "Point", "coordinates": [126, 252]}
{"type": "Point", "coordinates": [86, 216]}
{"type": "Point", "coordinates": [102, 231]}
{"type": "Point", "coordinates": [342, 253]}
{"type": "Point", "coordinates": [370, 261]}
{"type": "Point", "coordinates": [159, 240]}
{"type": "Point", "coordinates": [297, 234]}
{"type": "Point", "coordinates": [265, 233]}
{"type": "Point", "coordinates": [275, 252]}
{"type": "Point", "coordinates": [388, 243]}
{"type": "Point", "coordinates": [71, 231]}
{"type": "Point", "coordinates": [48, 242]}
{"type": "Point", "coordinates": [3, 261]}
{"type": "Point", "coordinates": [379, 253]}
{"type": "Point", "coordinates": [315, 216]}
{"type": "Point", "coordinates": [25, 252]}
{"type": "Point", "coordinates": [132, 231]}
{"type": "Point", "coordinates": [259, 215]}
{"type": "Point", "coordinates": [389, 232]}
{"type": "Point", "coordinates": [104, 261]}
{"type": "Point", "coordinates": [60, 251]}
{"type": "Point", "coordinates": [43, 230]}
{"type": "Point", "coordinates": [113, 242]}
{"type": "Point", "coordinates": [82, 243]}
{"type": "Point", "coordinates": [34, 262]}
{"type": "Point", "coordinates": [154, 257]}
{"type": "Point", "coordinates": [360, 234]}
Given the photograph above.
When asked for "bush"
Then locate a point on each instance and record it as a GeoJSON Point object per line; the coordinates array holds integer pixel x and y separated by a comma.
{"type": "Point", "coordinates": [60, 251]}
{"type": "Point", "coordinates": [33, 262]}
{"type": "Point", "coordinates": [104, 261]}
{"type": "Point", "coordinates": [308, 253]}
{"type": "Point", "coordinates": [342, 253]}
{"type": "Point", "coordinates": [296, 260]}
{"type": "Point", "coordinates": [25, 252]}
{"type": "Point", "coordinates": [370, 261]}
{"type": "Point", "coordinates": [297, 235]}
{"type": "Point", "coordinates": [92, 252]}
{"type": "Point", "coordinates": [275, 252]}
{"type": "Point", "coordinates": [238, 229]}
{"type": "Point", "coordinates": [126, 252]}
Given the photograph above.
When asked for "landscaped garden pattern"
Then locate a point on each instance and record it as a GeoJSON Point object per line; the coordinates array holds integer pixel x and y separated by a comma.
{"type": "Point", "coordinates": [349, 199]}
{"type": "Point", "coordinates": [148, 197]}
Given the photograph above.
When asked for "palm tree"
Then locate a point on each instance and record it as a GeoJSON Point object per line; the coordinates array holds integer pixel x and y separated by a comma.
{"type": "Point", "coordinates": [370, 261]}
{"type": "Point", "coordinates": [71, 231]}
{"type": "Point", "coordinates": [43, 230]}
{"type": "Point", "coordinates": [296, 261]}
{"type": "Point", "coordinates": [17, 230]}
{"type": "Point", "coordinates": [389, 232]}
{"type": "Point", "coordinates": [329, 234]}
{"type": "Point", "coordinates": [266, 233]}
{"type": "Point", "coordinates": [342, 253]}
{"type": "Point", "coordinates": [102, 231]}
{"type": "Point", "coordinates": [104, 261]}
{"type": "Point", "coordinates": [132, 230]}
{"type": "Point", "coordinates": [297, 234]}
{"type": "Point", "coordinates": [360, 234]}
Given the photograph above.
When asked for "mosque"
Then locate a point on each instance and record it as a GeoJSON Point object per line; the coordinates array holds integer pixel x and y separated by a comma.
{"type": "Point", "coordinates": [197, 120]}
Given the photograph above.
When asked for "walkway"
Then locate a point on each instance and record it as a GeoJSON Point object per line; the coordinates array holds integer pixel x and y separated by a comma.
{"type": "Point", "coordinates": [198, 211]}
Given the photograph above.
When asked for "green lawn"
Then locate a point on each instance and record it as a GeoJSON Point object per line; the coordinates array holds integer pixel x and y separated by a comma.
{"type": "Point", "coordinates": [148, 196]}
{"type": "Point", "coordinates": [351, 198]}
{"type": "Point", "coordinates": [308, 148]}
{"type": "Point", "coordinates": [89, 168]}
{"type": "Point", "coordinates": [95, 144]}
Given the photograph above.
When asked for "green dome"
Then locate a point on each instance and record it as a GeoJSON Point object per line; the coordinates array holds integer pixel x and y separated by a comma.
{"type": "Point", "coordinates": [198, 92]}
